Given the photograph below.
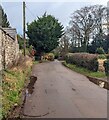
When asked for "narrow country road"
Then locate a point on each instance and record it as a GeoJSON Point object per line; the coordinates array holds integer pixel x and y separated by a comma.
{"type": "Point", "coordinates": [62, 93]}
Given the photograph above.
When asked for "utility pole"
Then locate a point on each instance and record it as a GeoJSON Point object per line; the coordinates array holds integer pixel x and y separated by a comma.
{"type": "Point", "coordinates": [24, 27]}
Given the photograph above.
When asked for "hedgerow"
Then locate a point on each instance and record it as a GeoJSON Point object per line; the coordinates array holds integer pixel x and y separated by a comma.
{"type": "Point", "coordinates": [106, 65]}
{"type": "Point", "coordinates": [89, 61]}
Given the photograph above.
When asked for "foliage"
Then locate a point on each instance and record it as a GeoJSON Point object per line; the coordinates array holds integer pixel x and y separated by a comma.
{"type": "Point", "coordinates": [5, 22]}
{"type": "Point", "coordinates": [106, 44]}
{"type": "Point", "coordinates": [51, 56]}
{"type": "Point", "coordinates": [26, 51]}
{"type": "Point", "coordinates": [100, 50]}
{"type": "Point", "coordinates": [35, 62]}
{"type": "Point", "coordinates": [85, 25]}
{"type": "Point", "coordinates": [76, 49]}
{"type": "Point", "coordinates": [107, 56]}
{"type": "Point", "coordinates": [84, 71]}
{"type": "Point", "coordinates": [97, 43]}
{"type": "Point", "coordinates": [20, 41]}
{"type": "Point", "coordinates": [64, 45]}
{"type": "Point", "coordinates": [56, 54]}
{"type": "Point", "coordinates": [32, 51]}
{"type": "Point", "coordinates": [13, 84]}
{"type": "Point", "coordinates": [85, 60]}
{"type": "Point", "coordinates": [101, 56]}
{"type": "Point", "coordinates": [106, 65]}
{"type": "Point", "coordinates": [48, 56]}
{"type": "Point", "coordinates": [44, 33]}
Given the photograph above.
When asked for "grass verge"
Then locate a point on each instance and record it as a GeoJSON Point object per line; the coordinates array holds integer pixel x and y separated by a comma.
{"type": "Point", "coordinates": [84, 71]}
{"type": "Point", "coordinates": [12, 86]}
{"type": "Point", "coordinates": [35, 62]}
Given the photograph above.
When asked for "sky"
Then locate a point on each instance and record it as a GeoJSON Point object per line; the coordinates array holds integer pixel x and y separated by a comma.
{"type": "Point", "coordinates": [60, 9]}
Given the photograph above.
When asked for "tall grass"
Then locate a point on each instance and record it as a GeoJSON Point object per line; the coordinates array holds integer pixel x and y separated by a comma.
{"type": "Point", "coordinates": [12, 86]}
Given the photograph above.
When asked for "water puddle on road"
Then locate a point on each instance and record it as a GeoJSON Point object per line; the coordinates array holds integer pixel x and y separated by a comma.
{"type": "Point", "coordinates": [101, 83]}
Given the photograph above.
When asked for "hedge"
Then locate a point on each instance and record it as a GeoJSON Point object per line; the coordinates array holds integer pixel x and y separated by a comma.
{"type": "Point", "coordinates": [100, 50]}
{"type": "Point", "coordinates": [89, 61]}
{"type": "Point", "coordinates": [51, 56]}
{"type": "Point", "coordinates": [106, 66]}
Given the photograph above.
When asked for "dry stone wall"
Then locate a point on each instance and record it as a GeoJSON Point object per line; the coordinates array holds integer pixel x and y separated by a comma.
{"type": "Point", "coordinates": [9, 49]}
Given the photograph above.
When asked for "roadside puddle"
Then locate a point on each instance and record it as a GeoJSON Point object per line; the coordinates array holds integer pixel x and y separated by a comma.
{"type": "Point", "coordinates": [101, 83]}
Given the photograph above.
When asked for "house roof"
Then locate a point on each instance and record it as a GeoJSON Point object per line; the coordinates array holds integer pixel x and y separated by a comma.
{"type": "Point", "coordinates": [11, 31]}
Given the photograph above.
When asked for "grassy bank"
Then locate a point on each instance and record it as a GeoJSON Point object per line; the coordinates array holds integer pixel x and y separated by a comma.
{"type": "Point", "coordinates": [12, 86]}
{"type": "Point", "coordinates": [84, 71]}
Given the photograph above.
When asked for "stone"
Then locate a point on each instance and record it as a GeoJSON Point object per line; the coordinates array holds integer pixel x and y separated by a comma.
{"type": "Point", "coordinates": [9, 47]}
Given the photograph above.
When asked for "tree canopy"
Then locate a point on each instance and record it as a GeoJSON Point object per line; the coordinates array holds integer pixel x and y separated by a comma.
{"type": "Point", "coordinates": [44, 33]}
{"type": "Point", "coordinates": [20, 41]}
{"type": "Point", "coordinates": [87, 24]}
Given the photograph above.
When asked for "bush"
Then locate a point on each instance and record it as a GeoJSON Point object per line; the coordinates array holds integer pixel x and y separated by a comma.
{"type": "Point", "coordinates": [102, 56]}
{"type": "Point", "coordinates": [100, 50]}
{"type": "Point", "coordinates": [107, 56]}
{"type": "Point", "coordinates": [61, 58]}
{"type": "Point", "coordinates": [89, 61]}
{"type": "Point", "coordinates": [56, 55]}
{"type": "Point", "coordinates": [51, 56]}
{"type": "Point", "coordinates": [106, 66]}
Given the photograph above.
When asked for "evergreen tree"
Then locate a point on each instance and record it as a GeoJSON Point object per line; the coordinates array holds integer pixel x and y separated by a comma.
{"type": "Point", "coordinates": [5, 22]}
{"type": "Point", "coordinates": [44, 33]}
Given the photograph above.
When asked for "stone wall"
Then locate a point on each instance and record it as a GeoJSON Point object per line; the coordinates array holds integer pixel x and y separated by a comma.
{"type": "Point", "coordinates": [108, 16]}
{"type": "Point", "coordinates": [9, 49]}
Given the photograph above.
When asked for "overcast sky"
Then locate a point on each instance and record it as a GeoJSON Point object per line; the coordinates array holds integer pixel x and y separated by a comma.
{"type": "Point", "coordinates": [60, 9]}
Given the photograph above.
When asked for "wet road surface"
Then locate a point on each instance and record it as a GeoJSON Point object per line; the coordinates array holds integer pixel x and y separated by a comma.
{"type": "Point", "coordinates": [62, 93]}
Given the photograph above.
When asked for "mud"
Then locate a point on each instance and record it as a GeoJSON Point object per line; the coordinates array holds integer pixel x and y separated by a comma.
{"type": "Point", "coordinates": [17, 111]}
{"type": "Point", "coordinates": [30, 87]}
{"type": "Point", "coordinates": [99, 82]}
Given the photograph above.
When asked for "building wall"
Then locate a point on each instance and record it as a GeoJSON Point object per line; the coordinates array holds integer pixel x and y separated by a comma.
{"type": "Point", "coordinates": [9, 49]}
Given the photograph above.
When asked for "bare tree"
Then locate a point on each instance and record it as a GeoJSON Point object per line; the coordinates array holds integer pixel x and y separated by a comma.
{"type": "Point", "coordinates": [64, 45]}
{"type": "Point", "coordinates": [85, 22]}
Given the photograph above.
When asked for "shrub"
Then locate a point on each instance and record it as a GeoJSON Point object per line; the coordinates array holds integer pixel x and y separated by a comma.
{"type": "Point", "coordinates": [51, 56]}
{"type": "Point", "coordinates": [106, 66]}
{"type": "Point", "coordinates": [56, 55]}
{"type": "Point", "coordinates": [85, 60]}
{"type": "Point", "coordinates": [100, 50]}
{"type": "Point", "coordinates": [107, 56]}
{"type": "Point", "coordinates": [61, 58]}
{"type": "Point", "coordinates": [101, 56]}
